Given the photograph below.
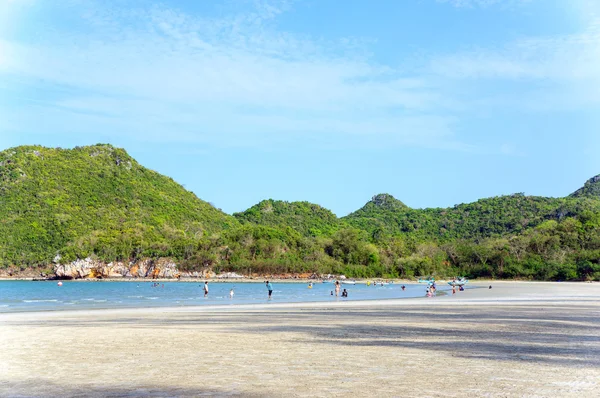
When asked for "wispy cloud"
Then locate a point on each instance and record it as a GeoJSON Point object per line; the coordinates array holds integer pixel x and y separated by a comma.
{"type": "Point", "coordinates": [160, 70]}
{"type": "Point", "coordinates": [160, 73]}
{"type": "Point", "coordinates": [552, 72]}
{"type": "Point", "coordinates": [567, 57]}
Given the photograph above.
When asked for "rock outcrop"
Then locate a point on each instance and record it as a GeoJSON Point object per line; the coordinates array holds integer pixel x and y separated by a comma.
{"type": "Point", "coordinates": [590, 189]}
{"type": "Point", "coordinates": [155, 269]}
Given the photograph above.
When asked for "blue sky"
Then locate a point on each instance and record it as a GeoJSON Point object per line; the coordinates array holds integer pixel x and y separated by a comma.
{"type": "Point", "coordinates": [437, 102]}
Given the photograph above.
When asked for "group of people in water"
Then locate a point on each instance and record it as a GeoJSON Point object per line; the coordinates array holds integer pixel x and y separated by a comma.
{"type": "Point", "coordinates": [460, 288]}
{"type": "Point", "coordinates": [337, 290]}
{"type": "Point", "coordinates": [232, 293]}
{"type": "Point", "coordinates": [430, 290]}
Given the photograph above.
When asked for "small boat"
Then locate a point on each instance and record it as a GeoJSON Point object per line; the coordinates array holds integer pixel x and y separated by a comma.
{"type": "Point", "coordinates": [458, 282]}
{"type": "Point", "coordinates": [327, 281]}
{"type": "Point", "coordinates": [430, 281]}
{"type": "Point", "coordinates": [348, 282]}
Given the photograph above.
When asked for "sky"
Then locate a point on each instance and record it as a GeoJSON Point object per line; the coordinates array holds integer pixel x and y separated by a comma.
{"type": "Point", "coordinates": [437, 102]}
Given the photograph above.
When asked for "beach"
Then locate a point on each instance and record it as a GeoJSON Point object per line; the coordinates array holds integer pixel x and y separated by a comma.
{"type": "Point", "coordinates": [517, 339]}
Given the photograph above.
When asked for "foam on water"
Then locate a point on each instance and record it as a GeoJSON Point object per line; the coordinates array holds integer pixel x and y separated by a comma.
{"type": "Point", "coordinates": [39, 301]}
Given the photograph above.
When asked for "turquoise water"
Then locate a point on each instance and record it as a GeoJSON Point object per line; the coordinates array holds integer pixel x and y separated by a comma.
{"type": "Point", "coordinates": [18, 296]}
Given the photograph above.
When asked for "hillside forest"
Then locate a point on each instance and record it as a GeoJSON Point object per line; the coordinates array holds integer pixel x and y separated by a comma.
{"type": "Point", "coordinates": [59, 205]}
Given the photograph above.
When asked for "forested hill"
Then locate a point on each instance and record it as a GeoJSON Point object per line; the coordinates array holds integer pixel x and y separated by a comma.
{"type": "Point", "coordinates": [94, 199]}
{"type": "Point", "coordinates": [307, 218]}
{"type": "Point", "coordinates": [591, 189]}
{"type": "Point", "coordinates": [498, 216]}
{"type": "Point", "coordinates": [59, 205]}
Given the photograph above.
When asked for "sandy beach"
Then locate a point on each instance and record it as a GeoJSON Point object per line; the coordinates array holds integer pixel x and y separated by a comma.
{"type": "Point", "coordinates": [515, 340]}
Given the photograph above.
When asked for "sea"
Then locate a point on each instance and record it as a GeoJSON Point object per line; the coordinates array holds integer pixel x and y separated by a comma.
{"type": "Point", "coordinates": [22, 296]}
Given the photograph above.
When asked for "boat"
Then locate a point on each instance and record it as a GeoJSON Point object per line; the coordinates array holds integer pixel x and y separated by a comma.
{"type": "Point", "coordinates": [430, 281]}
{"type": "Point", "coordinates": [348, 282]}
{"type": "Point", "coordinates": [458, 282]}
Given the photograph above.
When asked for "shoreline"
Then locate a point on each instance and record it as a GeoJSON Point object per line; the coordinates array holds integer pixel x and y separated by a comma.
{"type": "Point", "coordinates": [274, 280]}
{"type": "Point", "coordinates": [475, 295]}
{"type": "Point", "coordinates": [515, 340]}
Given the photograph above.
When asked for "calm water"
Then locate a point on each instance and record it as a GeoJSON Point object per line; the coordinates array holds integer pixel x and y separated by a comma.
{"type": "Point", "coordinates": [17, 296]}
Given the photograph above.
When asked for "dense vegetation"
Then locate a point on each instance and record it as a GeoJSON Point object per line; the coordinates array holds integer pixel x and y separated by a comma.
{"type": "Point", "coordinates": [591, 189]}
{"type": "Point", "coordinates": [492, 217]}
{"type": "Point", "coordinates": [306, 218]}
{"type": "Point", "coordinates": [93, 200]}
{"type": "Point", "coordinates": [97, 201]}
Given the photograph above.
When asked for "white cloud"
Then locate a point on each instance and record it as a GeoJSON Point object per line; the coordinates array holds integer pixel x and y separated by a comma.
{"type": "Point", "coordinates": [568, 57]}
{"type": "Point", "coordinates": [160, 74]}
{"type": "Point", "coordinates": [552, 73]}
{"type": "Point", "coordinates": [233, 78]}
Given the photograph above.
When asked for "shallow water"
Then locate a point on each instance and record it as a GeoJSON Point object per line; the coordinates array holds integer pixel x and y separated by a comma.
{"type": "Point", "coordinates": [18, 296]}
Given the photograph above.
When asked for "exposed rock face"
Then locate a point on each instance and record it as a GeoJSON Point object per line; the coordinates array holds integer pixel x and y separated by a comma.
{"type": "Point", "coordinates": [88, 268]}
{"type": "Point", "coordinates": [77, 269]}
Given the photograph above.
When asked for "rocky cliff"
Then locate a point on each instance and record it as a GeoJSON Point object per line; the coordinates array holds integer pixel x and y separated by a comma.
{"type": "Point", "coordinates": [88, 268]}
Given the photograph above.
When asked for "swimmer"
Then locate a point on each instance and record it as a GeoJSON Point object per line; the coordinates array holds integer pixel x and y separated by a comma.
{"type": "Point", "coordinates": [59, 283]}
{"type": "Point", "coordinates": [453, 289]}
{"type": "Point", "coordinates": [345, 293]}
{"type": "Point", "coordinates": [205, 289]}
{"type": "Point", "coordinates": [403, 287]}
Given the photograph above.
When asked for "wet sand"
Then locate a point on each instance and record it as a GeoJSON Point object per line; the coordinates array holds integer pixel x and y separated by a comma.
{"type": "Point", "coordinates": [515, 340]}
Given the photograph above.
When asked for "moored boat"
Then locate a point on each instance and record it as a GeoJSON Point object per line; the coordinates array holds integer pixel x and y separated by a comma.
{"type": "Point", "coordinates": [458, 282]}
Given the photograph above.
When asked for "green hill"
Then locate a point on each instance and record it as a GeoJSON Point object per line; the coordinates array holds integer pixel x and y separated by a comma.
{"type": "Point", "coordinates": [93, 200]}
{"type": "Point", "coordinates": [307, 218]}
{"type": "Point", "coordinates": [591, 189]}
{"type": "Point", "coordinates": [498, 216]}
{"type": "Point", "coordinates": [98, 202]}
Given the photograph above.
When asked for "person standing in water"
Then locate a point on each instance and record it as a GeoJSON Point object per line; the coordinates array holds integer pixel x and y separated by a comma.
{"type": "Point", "coordinates": [205, 288]}
{"type": "Point", "coordinates": [269, 288]}
{"type": "Point", "coordinates": [231, 293]}
{"type": "Point", "coordinates": [337, 288]}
